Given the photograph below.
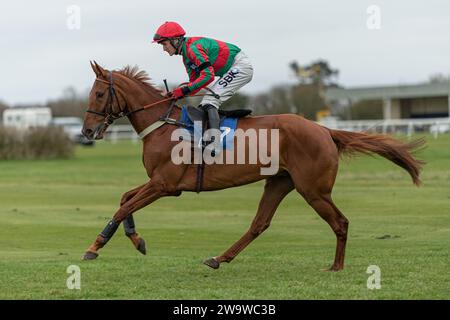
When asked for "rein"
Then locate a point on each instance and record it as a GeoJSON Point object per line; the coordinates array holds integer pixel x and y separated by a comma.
{"type": "Point", "coordinates": [110, 116]}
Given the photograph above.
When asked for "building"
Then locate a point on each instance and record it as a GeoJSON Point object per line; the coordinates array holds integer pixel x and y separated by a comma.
{"type": "Point", "coordinates": [430, 100]}
{"type": "Point", "coordinates": [24, 118]}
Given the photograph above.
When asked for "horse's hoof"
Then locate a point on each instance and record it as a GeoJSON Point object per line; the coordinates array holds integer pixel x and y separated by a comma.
{"type": "Point", "coordinates": [212, 263]}
{"type": "Point", "coordinates": [332, 268]}
{"type": "Point", "coordinates": [141, 247]}
{"type": "Point", "coordinates": [89, 255]}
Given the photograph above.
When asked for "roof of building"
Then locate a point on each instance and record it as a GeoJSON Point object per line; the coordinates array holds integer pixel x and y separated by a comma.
{"type": "Point", "coordinates": [387, 92]}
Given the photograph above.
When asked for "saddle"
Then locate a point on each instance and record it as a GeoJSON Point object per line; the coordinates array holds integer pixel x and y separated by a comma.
{"type": "Point", "coordinates": [197, 114]}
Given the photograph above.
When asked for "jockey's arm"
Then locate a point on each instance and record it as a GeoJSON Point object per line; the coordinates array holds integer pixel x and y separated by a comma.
{"type": "Point", "coordinates": [205, 72]}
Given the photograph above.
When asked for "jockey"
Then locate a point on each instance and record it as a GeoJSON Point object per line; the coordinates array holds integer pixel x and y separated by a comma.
{"type": "Point", "coordinates": [204, 59]}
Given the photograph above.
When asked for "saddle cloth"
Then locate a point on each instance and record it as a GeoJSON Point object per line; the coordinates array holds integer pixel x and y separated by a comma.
{"type": "Point", "coordinates": [228, 124]}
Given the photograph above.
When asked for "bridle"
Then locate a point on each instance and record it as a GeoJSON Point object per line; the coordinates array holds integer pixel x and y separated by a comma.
{"type": "Point", "coordinates": [109, 114]}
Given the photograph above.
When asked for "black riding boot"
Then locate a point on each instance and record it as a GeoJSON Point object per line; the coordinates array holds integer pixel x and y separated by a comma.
{"type": "Point", "coordinates": [214, 122]}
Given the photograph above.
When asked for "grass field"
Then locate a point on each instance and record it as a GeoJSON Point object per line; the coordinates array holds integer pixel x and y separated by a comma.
{"type": "Point", "coordinates": [52, 210]}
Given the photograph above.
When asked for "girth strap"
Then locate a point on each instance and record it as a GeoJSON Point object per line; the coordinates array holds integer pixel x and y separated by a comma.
{"type": "Point", "coordinates": [201, 166]}
{"type": "Point", "coordinates": [200, 172]}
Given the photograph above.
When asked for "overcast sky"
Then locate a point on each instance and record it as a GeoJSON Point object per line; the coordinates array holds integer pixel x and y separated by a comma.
{"type": "Point", "coordinates": [41, 55]}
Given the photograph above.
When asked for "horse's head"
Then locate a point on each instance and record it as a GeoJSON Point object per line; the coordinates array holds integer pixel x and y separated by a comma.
{"type": "Point", "coordinates": [104, 104]}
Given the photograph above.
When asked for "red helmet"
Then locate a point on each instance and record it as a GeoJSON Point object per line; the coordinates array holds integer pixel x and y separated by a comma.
{"type": "Point", "coordinates": [168, 30]}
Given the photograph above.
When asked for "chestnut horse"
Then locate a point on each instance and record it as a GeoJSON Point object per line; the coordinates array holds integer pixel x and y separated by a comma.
{"type": "Point", "coordinates": [308, 160]}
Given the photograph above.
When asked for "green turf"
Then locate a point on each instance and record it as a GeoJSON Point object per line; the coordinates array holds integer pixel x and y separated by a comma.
{"type": "Point", "coordinates": [52, 210]}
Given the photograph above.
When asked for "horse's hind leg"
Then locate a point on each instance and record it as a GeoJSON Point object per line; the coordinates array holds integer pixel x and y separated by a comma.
{"type": "Point", "coordinates": [276, 188]}
{"type": "Point", "coordinates": [315, 186]}
{"type": "Point", "coordinates": [324, 206]}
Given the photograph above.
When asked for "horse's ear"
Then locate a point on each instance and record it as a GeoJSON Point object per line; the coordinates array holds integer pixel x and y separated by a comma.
{"type": "Point", "coordinates": [94, 68]}
{"type": "Point", "coordinates": [99, 71]}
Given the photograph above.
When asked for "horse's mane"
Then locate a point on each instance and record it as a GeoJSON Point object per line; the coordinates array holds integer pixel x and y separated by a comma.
{"type": "Point", "coordinates": [139, 76]}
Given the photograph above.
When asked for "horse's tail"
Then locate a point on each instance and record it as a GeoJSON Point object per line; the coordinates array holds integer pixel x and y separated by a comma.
{"type": "Point", "coordinates": [394, 150]}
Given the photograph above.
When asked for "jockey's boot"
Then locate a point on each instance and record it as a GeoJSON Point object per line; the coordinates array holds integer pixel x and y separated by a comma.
{"type": "Point", "coordinates": [212, 139]}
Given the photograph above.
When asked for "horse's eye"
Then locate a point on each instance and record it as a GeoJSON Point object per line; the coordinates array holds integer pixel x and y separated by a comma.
{"type": "Point", "coordinates": [99, 94]}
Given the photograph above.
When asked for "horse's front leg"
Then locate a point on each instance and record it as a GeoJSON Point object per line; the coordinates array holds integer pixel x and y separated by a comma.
{"type": "Point", "coordinates": [128, 223]}
{"type": "Point", "coordinates": [149, 193]}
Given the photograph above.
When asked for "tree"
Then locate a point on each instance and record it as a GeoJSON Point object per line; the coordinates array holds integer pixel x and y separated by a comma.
{"type": "Point", "coordinates": [307, 96]}
{"type": "Point", "coordinates": [307, 100]}
{"type": "Point", "coordinates": [276, 101]}
{"type": "Point", "coordinates": [71, 104]}
{"type": "Point", "coordinates": [318, 72]}
{"type": "Point", "coordinates": [3, 106]}
{"type": "Point", "coordinates": [262, 103]}
{"type": "Point", "coordinates": [439, 78]}
{"type": "Point", "coordinates": [238, 101]}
